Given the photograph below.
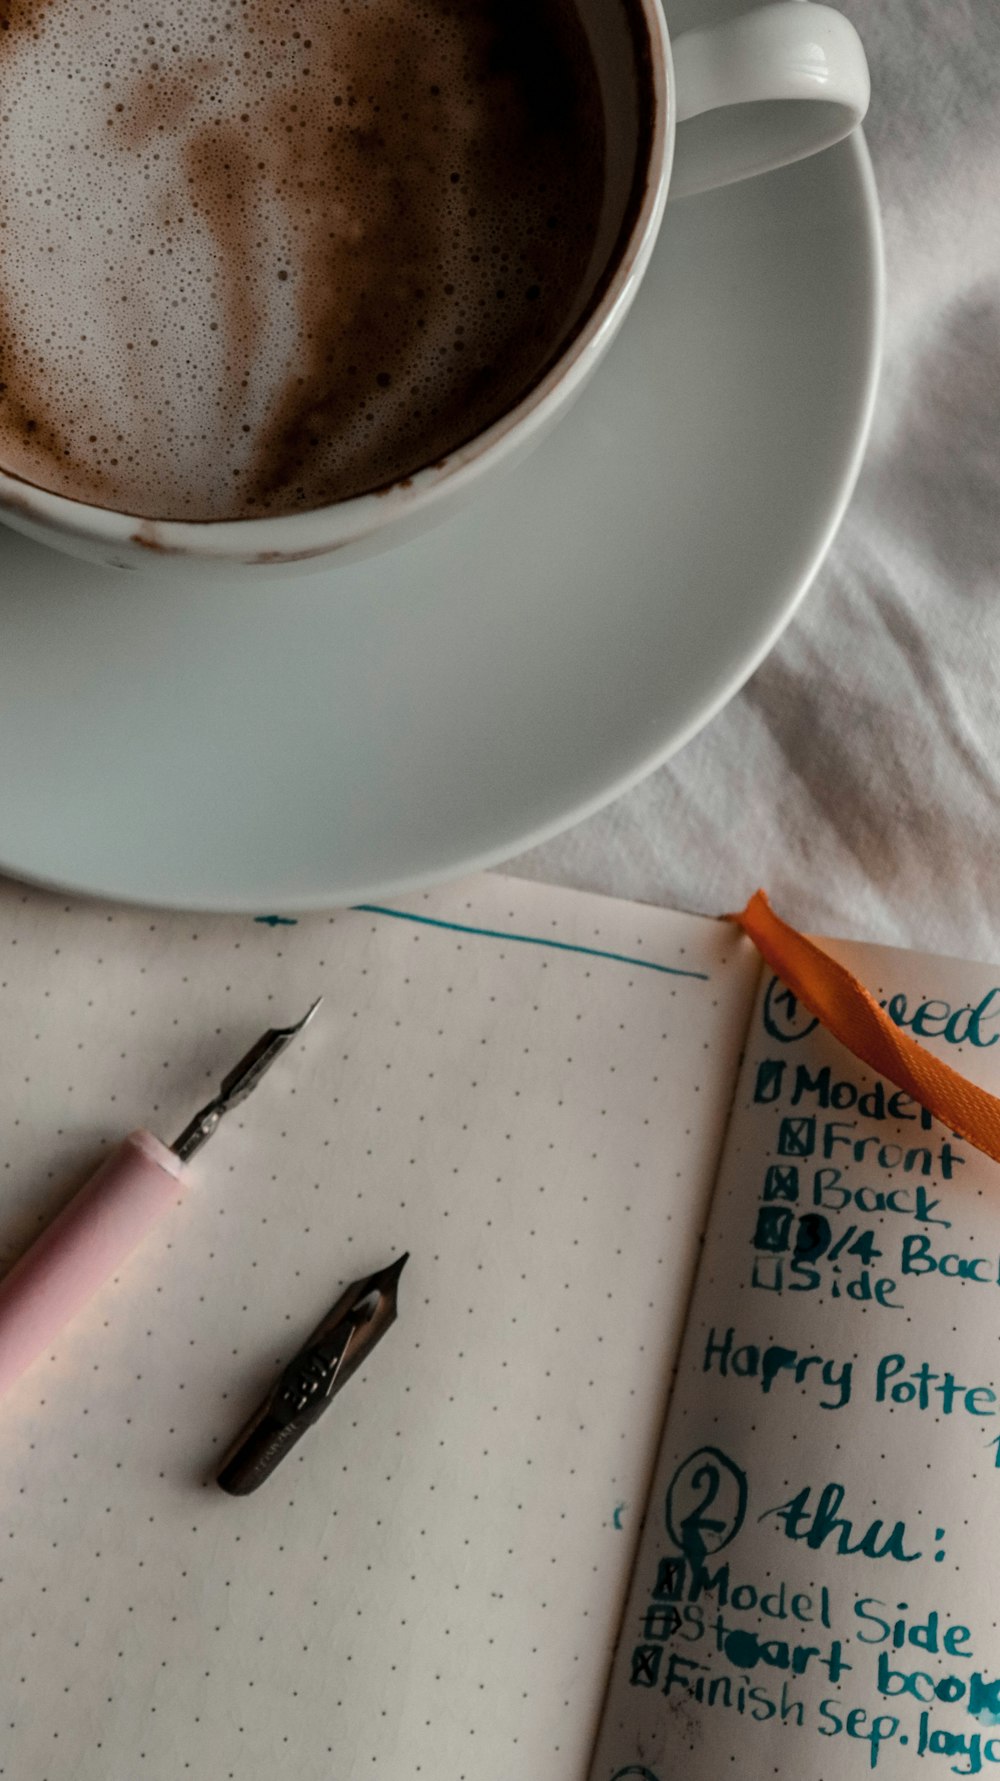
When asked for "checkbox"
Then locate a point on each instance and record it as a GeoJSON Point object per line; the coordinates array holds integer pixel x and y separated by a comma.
{"type": "Point", "coordinates": [660, 1622]}
{"type": "Point", "coordinates": [646, 1660]}
{"type": "Point", "coordinates": [781, 1182]}
{"type": "Point", "coordinates": [671, 1576]}
{"type": "Point", "coordinates": [797, 1137]}
{"type": "Point", "coordinates": [767, 1273]}
{"type": "Point", "coordinates": [769, 1079]}
{"type": "Point", "coordinates": [774, 1229]}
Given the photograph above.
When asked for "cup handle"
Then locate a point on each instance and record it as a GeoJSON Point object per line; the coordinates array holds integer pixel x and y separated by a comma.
{"type": "Point", "coordinates": [763, 89]}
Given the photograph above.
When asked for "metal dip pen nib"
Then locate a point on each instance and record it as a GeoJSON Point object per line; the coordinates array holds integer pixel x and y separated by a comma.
{"type": "Point", "coordinates": [311, 1381]}
{"type": "Point", "coordinates": [241, 1082]}
{"type": "Point", "coordinates": [95, 1233]}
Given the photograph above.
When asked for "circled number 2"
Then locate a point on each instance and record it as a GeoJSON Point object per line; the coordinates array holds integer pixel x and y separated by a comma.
{"type": "Point", "coordinates": [706, 1503]}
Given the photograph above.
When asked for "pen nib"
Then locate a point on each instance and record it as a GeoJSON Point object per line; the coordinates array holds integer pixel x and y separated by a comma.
{"type": "Point", "coordinates": [313, 1377]}
{"type": "Point", "coordinates": [240, 1082]}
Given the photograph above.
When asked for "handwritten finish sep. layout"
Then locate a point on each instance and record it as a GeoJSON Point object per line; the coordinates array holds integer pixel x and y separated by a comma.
{"type": "Point", "coordinates": [816, 1594]}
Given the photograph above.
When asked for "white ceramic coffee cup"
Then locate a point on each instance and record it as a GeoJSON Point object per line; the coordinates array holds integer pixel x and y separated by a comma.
{"type": "Point", "coordinates": [724, 102]}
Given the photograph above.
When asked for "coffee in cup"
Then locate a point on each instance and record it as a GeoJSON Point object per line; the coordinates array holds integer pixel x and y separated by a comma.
{"type": "Point", "coordinates": [259, 256]}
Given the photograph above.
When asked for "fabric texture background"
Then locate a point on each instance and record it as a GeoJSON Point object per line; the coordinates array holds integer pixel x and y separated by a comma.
{"type": "Point", "coordinates": [857, 774]}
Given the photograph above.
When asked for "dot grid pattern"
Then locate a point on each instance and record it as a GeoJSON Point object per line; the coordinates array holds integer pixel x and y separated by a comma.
{"type": "Point", "coordinates": [937, 1473]}
{"type": "Point", "coordinates": [431, 1584]}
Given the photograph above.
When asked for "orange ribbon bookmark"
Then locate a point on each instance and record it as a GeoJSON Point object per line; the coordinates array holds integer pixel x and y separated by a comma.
{"type": "Point", "coordinates": [846, 1009]}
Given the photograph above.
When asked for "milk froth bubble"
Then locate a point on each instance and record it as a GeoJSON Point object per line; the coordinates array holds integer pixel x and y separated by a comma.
{"type": "Point", "coordinates": [260, 255]}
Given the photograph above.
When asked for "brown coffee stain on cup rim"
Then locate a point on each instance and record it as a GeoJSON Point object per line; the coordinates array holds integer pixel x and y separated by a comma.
{"type": "Point", "coordinates": [148, 536]}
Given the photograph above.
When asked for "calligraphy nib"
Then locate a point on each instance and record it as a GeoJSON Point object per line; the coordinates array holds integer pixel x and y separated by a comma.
{"type": "Point", "coordinates": [310, 1382]}
{"type": "Point", "coordinates": [240, 1082]}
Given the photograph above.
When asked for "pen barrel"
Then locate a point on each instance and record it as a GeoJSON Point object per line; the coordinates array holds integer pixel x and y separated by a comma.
{"type": "Point", "coordinates": [83, 1247]}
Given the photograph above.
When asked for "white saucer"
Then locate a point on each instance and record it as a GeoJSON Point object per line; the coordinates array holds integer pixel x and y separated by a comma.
{"type": "Point", "coordinates": [450, 703]}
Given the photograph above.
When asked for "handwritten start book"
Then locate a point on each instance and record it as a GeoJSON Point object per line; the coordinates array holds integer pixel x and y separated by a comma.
{"type": "Point", "coordinates": [682, 1458]}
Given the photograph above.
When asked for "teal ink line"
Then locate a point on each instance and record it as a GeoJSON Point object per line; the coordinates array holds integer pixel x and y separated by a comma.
{"type": "Point", "coordinates": [277, 921]}
{"type": "Point", "coordinates": [593, 952]}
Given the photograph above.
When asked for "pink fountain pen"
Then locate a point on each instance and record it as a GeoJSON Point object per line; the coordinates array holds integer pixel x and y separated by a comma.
{"type": "Point", "coordinates": [92, 1236]}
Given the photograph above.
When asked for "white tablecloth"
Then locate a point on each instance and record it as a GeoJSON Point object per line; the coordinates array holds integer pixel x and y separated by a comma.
{"type": "Point", "coordinates": [857, 775]}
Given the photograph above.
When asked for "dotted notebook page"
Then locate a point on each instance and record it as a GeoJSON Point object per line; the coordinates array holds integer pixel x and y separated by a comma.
{"type": "Point", "coordinates": [432, 1582]}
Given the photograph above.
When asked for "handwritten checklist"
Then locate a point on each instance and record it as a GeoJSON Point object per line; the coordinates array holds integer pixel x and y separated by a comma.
{"type": "Point", "coordinates": [815, 1593]}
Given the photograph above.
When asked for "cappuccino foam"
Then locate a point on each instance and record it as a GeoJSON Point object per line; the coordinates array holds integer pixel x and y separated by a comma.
{"type": "Point", "coordinates": [259, 255]}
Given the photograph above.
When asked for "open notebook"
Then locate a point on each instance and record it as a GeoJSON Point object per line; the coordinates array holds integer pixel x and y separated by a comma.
{"type": "Point", "coordinates": [510, 1549]}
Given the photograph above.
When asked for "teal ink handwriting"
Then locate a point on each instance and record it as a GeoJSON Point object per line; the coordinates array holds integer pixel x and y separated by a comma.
{"type": "Point", "coordinates": [973, 1750]}
{"type": "Point", "coordinates": [811, 1240]}
{"type": "Point", "coordinates": [879, 1729]}
{"type": "Point", "coordinates": [830, 1191]}
{"type": "Point", "coordinates": [691, 1584]}
{"type": "Point", "coordinates": [774, 1274]}
{"type": "Point", "coordinates": [742, 1646]}
{"type": "Point", "coordinates": [706, 1503]}
{"type": "Point", "coordinates": [840, 1094]}
{"type": "Point", "coordinates": [928, 1390]}
{"type": "Point", "coordinates": [920, 1257]}
{"type": "Point", "coordinates": [934, 1634]}
{"type": "Point", "coordinates": [821, 1524]}
{"type": "Point", "coordinates": [277, 921]}
{"type": "Point", "coordinates": [925, 1159]}
{"type": "Point", "coordinates": [813, 1236]}
{"type": "Point", "coordinates": [981, 1694]}
{"type": "Point", "coordinates": [750, 1361]}
{"type": "Point", "coordinates": [785, 1017]}
{"type": "Point", "coordinates": [938, 1020]}
{"type": "Point", "coordinates": [746, 1650]}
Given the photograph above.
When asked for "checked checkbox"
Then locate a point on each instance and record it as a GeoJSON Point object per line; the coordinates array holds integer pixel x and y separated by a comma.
{"type": "Point", "coordinates": [797, 1136]}
{"type": "Point", "coordinates": [781, 1182]}
{"type": "Point", "coordinates": [769, 1078]}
